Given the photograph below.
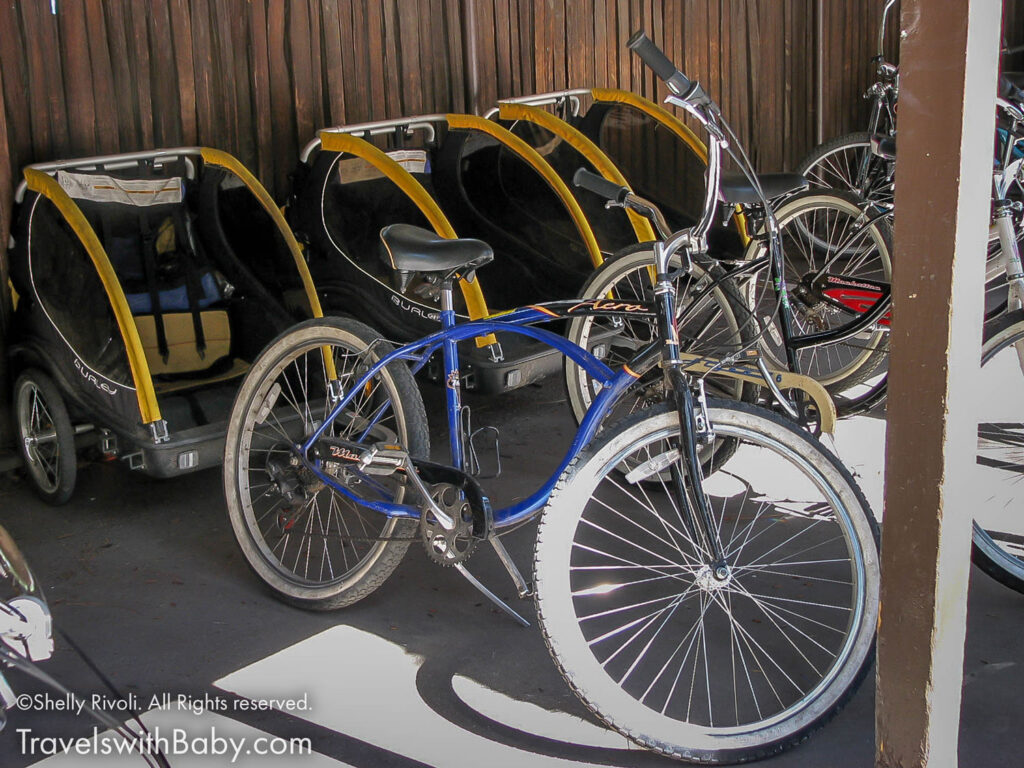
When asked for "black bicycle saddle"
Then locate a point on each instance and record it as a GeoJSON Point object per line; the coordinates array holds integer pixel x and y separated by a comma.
{"type": "Point", "coordinates": [407, 248]}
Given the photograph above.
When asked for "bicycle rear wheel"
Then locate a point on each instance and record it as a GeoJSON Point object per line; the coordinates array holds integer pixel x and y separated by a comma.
{"type": "Point", "coordinates": [998, 534]}
{"type": "Point", "coordinates": [846, 163]}
{"type": "Point", "coordinates": [825, 233]}
{"type": "Point", "coordinates": [310, 544]}
{"type": "Point", "coordinates": [683, 663]}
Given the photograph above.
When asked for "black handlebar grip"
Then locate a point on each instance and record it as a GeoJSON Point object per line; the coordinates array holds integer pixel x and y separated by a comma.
{"type": "Point", "coordinates": [599, 185]}
{"type": "Point", "coordinates": [653, 57]}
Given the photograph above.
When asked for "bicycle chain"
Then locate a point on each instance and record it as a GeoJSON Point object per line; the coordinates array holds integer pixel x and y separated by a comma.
{"type": "Point", "coordinates": [460, 550]}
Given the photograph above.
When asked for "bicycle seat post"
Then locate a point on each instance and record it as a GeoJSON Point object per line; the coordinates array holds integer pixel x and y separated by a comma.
{"type": "Point", "coordinates": [452, 380]}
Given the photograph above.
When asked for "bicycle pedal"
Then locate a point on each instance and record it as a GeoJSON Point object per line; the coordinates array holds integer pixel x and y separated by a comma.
{"type": "Point", "coordinates": [377, 459]}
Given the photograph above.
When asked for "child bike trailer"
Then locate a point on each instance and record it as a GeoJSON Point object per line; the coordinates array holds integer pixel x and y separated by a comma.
{"type": "Point", "coordinates": [662, 159]}
{"type": "Point", "coordinates": [145, 284]}
{"type": "Point", "coordinates": [459, 175]}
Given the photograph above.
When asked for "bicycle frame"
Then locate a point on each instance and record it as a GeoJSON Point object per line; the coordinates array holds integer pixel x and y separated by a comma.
{"type": "Point", "coordinates": [613, 384]}
{"type": "Point", "coordinates": [875, 301]}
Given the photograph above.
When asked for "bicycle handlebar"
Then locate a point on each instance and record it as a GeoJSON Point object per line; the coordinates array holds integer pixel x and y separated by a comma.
{"type": "Point", "coordinates": [653, 57]}
{"type": "Point", "coordinates": [622, 196]}
{"type": "Point", "coordinates": [689, 95]}
{"type": "Point", "coordinates": [599, 185]}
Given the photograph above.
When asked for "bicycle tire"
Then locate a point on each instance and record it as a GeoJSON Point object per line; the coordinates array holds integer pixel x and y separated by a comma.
{"type": "Point", "coordinates": [46, 437]}
{"type": "Point", "coordinates": [281, 400]}
{"type": "Point", "coordinates": [833, 165]}
{"type": "Point", "coordinates": [1000, 553]}
{"type": "Point", "coordinates": [583, 541]}
{"type": "Point", "coordinates": [836, 164]}
{"type": "Point", "coordinates": [810, 225]}
{"type": "Point", "coordinates": [627, 277]}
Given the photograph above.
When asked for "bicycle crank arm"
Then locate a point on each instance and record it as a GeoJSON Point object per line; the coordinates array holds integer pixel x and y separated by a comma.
{"type": "Point", "coordinates": [780, 398]}
{"type": "Point", "coordinates": [479, 504]}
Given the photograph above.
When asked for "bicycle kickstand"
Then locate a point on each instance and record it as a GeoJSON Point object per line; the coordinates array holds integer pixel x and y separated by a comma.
{"type": "Point", "coordinates": [523, 587]}
{"type": "Point", "coordinates": [446, 522]}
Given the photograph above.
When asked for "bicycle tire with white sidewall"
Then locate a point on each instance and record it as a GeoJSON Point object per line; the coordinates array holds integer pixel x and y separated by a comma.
{"type": "Point", "coordinates": [393, 392]}
{"type": "Point", "coordinates": [557, 549]}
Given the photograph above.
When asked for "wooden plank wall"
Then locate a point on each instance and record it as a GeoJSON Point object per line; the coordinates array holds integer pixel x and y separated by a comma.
{"type": "Point", "coordinates": [257, 77]}
{"type": "Point", "coordinates": [254, 77]}
{"type": "Point", "coordinates": [752, 57]}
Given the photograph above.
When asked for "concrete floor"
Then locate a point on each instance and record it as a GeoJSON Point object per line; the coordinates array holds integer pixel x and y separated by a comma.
{"type": "Point", "coordinates": [146, 576]}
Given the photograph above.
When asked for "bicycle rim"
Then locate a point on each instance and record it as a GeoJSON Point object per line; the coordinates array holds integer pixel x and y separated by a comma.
{"type": "Point", "coordinates": [816, 230]}
{"type": "Point", "coordinates": [847, 163]}
{"type": "Point", "coordinates": [318, 543]}
{"type": "Point", "coordinates": [711, 322]}
{"type": "Point", "coordinates": [687, 665]}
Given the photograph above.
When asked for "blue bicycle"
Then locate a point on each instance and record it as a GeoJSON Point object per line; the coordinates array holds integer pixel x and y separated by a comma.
{"type": "Point", "coordinates": [705, 571]}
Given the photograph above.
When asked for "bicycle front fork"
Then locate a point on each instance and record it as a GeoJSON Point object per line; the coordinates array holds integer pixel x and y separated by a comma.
{"type": "Point", "coordinates": [1007, 233]}
{"type": "Point", "coordinates": [694, 428]}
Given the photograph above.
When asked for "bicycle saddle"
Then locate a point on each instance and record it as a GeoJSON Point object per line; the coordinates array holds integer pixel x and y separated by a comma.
{"type": "Point", "coordinates": [735, 189]}
{"type": "Point", "coordinates": [408, 248]}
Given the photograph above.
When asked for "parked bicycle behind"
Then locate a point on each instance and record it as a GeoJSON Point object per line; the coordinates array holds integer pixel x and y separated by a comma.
{"type": "Point", "coordinates": [863, 162]}
{"type": "Point", "coordinates": [26, 638]}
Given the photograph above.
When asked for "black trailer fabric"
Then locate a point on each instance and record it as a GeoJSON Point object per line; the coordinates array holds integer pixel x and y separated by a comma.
{"type": "Point", "coordinates": [64, 320]}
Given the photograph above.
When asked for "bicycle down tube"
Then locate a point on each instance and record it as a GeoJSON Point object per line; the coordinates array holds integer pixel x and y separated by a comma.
{"type": "Point", "coordinates": [613, 385]}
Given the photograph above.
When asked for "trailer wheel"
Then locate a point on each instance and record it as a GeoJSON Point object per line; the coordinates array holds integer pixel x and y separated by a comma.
{"type": "Point", "coordinates": [46, 437]}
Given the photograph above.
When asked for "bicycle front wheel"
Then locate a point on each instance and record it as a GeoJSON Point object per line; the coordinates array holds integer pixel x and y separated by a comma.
{"type": "Point", "coordinates": [690, 665]}
{"type": "Point", "coordinates": [998, 535]}
{"type": "Point", "coordinates": [310, 544]}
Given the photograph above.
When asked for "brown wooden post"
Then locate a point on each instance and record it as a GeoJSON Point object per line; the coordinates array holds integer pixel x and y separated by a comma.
{"type": "Point", "coordinates": [948, 60]}
{"type": "Point", "coordinates": [6, 200]}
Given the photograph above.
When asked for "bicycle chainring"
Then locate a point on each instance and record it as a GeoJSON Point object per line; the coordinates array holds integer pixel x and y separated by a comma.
{"type": "Point", "coordinates": [448, 548]}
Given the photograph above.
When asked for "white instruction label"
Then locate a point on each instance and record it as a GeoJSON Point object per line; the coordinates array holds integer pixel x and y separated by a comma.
{"type": "Point", "coordinates": [413, 160]}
